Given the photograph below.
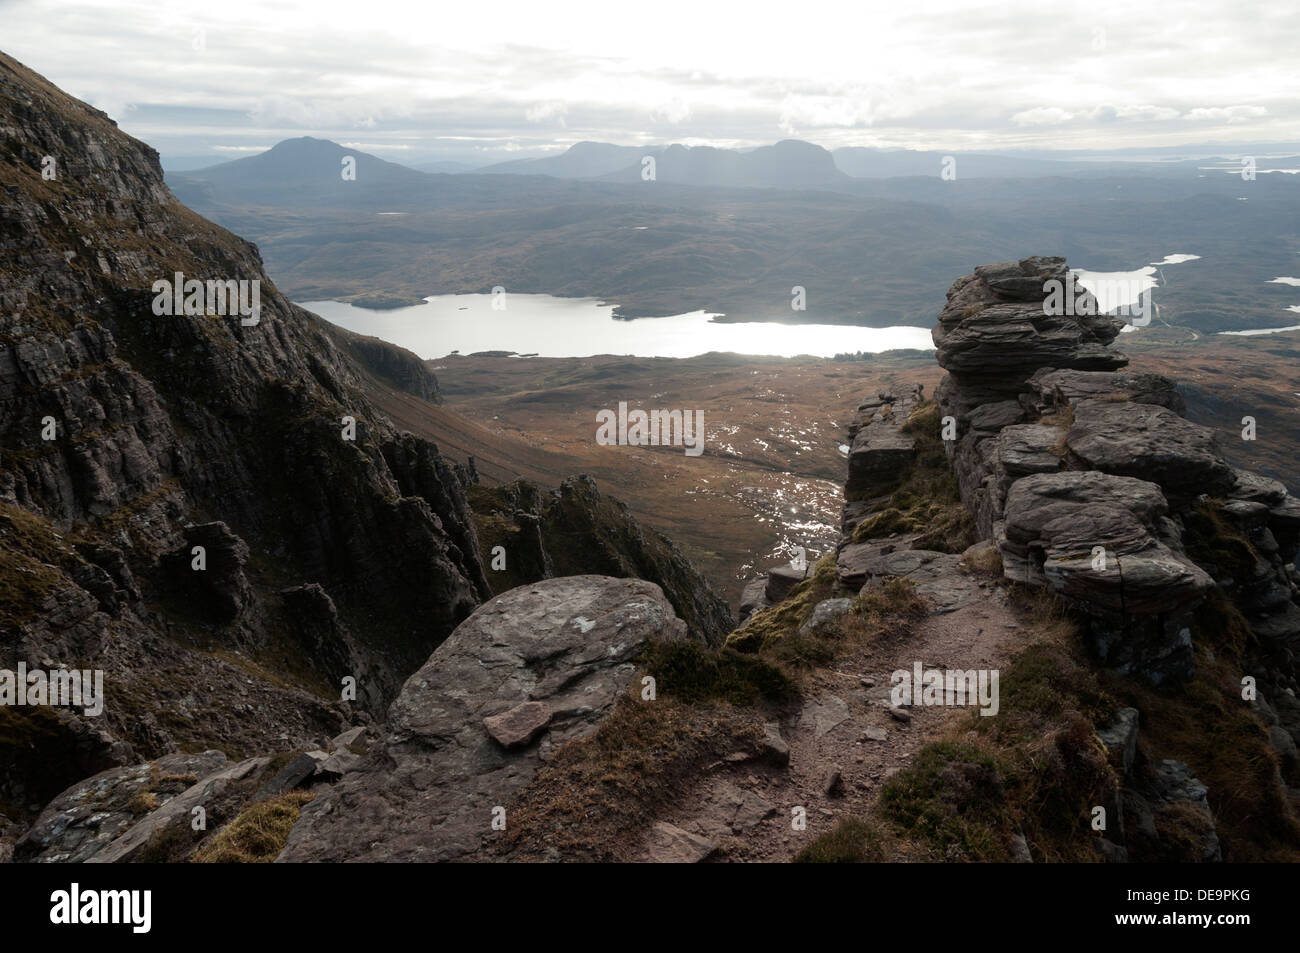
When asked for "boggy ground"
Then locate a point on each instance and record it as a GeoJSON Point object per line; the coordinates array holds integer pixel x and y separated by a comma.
{"type": "Point", "coordinates": [769, 477]}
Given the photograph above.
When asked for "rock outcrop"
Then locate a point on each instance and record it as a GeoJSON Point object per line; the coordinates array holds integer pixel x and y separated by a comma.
{"type": "Point", "coordinates": [1085, 479]}
{"type": "Point", "coordinates": [528, 671]}
{"type": "Point", "coordinates": [1091, 482]}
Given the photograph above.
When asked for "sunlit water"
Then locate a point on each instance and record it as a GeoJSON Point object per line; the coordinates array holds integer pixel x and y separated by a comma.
{"type": "Point", "coordinates": [1119, 289]}
{"type": "Point", "coordinates": [581, 327]}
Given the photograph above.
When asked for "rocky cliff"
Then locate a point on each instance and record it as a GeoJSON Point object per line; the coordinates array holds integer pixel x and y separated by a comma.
{"type": "Point", "coordinates": [129, 438]}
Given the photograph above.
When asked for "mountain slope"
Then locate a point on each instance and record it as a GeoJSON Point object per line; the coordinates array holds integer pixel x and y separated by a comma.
{"type": "Point", "coordinates": [326, 557]}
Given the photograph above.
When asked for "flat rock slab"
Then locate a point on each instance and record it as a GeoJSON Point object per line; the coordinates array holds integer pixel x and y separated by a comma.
{"type": "Point", "coordinates": [734, 810]}
{"type": "Point", "coordinates": [1058, 388]}
{"type": "Point", "coordinates": [178, 809]}
{"type": "Point", "coordinates": [672, 845]}
{"type": "Point", "coordinates": [519, 725]}
{"type": "Point", "coordinates": [823, 714]}
{"type": "Point", "coordinates": [427, 792]}
{"type": "Point", "coordinates": [940, 578]}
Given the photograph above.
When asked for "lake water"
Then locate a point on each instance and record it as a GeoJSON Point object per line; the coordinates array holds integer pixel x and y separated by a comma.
{"type": "Point", "coordinates": [582, 327]}
{"type": "Point", "coordinates": [1119, 289]}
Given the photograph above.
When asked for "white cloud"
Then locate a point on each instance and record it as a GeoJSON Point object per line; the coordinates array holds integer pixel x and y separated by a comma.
{"type": "Point", "coordinates": [941, 75]}
{"type": "Point", "coordinates": [1042, 116]}
{"type": "Point", "coordinates": [672, 112]}
{"type": "Point", "coordinates": [1230, 114]}
{"type": "Point", "coordinates": [1136, 113]}
{"type": "Point", "coordinates": [544, 112]}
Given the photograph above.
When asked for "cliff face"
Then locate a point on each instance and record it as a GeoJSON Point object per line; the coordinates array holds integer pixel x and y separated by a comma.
{"type": "Point", "coordinates": [129, 437]}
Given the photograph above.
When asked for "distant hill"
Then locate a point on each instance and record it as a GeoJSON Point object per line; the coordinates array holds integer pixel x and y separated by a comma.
{"type": "Point", "coordinates": [298, 168]}
{"type": "Point", "coordinates": [733, 232]}
{"type": "Point", "coordinates": [789, 164]}
{"type": "Point", "coordinates": [582, 160]}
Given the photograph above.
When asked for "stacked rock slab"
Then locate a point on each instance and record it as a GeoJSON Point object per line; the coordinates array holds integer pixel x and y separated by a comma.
{"type": "Point", "coordinates": [1087, 477]}
{"type": "Point", "coordinates": [881, 452]}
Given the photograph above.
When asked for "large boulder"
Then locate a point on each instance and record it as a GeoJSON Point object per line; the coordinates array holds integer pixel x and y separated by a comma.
{"type": "Point", "coordinates": [1105, 544]}
{"type": "Point", "coordinates": [1096, 538]}
{"type": "Point", "coordinates": [529, 670]}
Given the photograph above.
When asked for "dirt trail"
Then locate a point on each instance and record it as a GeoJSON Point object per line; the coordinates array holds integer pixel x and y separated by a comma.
{"type": "Point", "coordinates": [846, 723]}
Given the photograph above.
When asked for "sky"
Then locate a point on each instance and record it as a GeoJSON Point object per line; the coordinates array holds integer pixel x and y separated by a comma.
{"type": "Point", "coordinates": [416, 80]}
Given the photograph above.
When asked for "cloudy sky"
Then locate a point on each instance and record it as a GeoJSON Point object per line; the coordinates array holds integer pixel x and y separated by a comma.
{"type": "Point", "coordinates": [421, 79]}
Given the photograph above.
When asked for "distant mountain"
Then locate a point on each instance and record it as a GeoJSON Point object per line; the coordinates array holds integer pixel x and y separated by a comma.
{"type": "Point", "coordinates": [299, 168]}
{"type": "Point", "coordinates": [583, 160]}
{"type": "Point", "coordinates": [307, 174]}
{"type": "Point", "coordinates": [789, 164]}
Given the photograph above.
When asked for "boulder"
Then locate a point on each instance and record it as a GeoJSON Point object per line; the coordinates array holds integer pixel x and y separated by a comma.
{"type": "Point", "coordinates": [878, 455]}
{"type": "Point", "coordinates": [1094, 538]}
{"type": "Point", "coordinates": [428, 791]}
{"type": "Point", "coordinates": [826, 616]}
{"type": "Point", "coordinates": [293, 774]}
{"type": "Point", "coordinates": [752, 598]}
{"type": "Point", "coordinates": [519, 725]}
{"type": "Point", "coordinates": [781, 580]}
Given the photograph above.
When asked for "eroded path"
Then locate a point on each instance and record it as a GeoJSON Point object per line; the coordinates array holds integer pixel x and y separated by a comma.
{"type": "Point", "coordinates": [846, 724]}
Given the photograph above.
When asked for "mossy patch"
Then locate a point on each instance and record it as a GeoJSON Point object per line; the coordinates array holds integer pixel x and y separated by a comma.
{"type": "Point", "coordinates": [951, 797]}
{"type": "Point", "coordinates": [853, 840]}
{"type": "Point", "coordinates": [766, 626]}
{"type": "Point", "coordinates": [1216, 545]}
{"type": "Point", "coordinates": [258, 834]}
{"type": "Point", "coordinates": [690, 672]}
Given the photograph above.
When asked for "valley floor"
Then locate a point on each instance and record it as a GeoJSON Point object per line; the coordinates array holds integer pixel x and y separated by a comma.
{"type": "Point", "coordinates": [770, 476]}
